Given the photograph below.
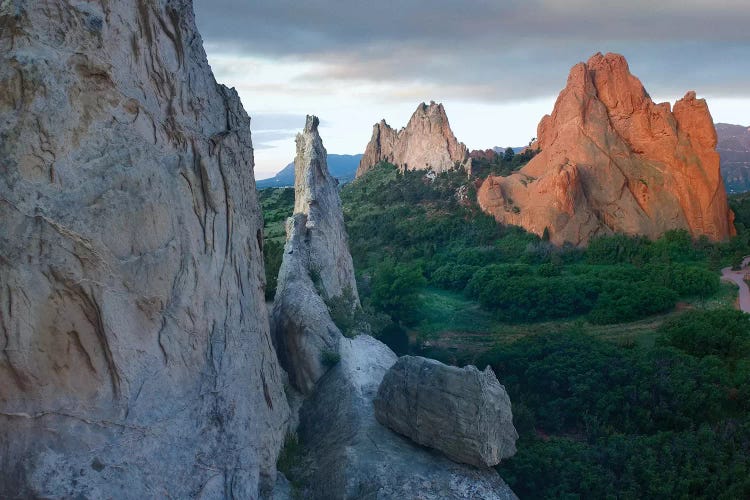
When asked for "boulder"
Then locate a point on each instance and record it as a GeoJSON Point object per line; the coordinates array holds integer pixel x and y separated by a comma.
{"type": "Point", "coordinates": [350, 455]}
{"type": "Point", "coordinates": [427, 142]}
{"type": "Point", "coordinates": [136, 355]}
{"type": "Point", "coordinates": [463, 412]}
{"type": "Point", "coordinates": [613, 161]}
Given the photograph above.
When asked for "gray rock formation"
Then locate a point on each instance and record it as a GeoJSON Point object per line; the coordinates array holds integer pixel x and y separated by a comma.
{"type": "Point", "coordinates": [136, 358]}
{"type": "Point", "coordinates": [317, 267]}
{"type": "Point", "coordinates": [462, 412]}
{"type": "Point", "coordinates": [350, 455]}
{"type": "Point", "coordinates": [427, 142]}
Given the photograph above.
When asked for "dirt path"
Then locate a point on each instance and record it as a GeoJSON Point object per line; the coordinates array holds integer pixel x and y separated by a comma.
{"type": "Point", "coordinates": [738, 278]}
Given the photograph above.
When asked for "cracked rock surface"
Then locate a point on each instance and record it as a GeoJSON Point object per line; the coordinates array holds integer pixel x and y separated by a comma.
{"type": "Point", "coordinates": [136, 354]}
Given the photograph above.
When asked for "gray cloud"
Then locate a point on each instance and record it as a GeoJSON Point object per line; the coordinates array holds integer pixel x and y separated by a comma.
{"type": "Point", "coordinates": [492, 50]}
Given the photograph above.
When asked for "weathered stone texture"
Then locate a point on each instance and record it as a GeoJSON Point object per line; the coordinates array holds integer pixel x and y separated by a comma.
{"type": "Point", "coordinates": [136, 354]}
{"type": "Point", "coordinates": [462, 412]}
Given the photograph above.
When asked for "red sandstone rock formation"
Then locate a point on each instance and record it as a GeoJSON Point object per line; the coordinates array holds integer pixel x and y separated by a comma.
{"type": "Point", "coordinates": [612, 160]}
{"type": "Point", "coordinates": [427, 142]}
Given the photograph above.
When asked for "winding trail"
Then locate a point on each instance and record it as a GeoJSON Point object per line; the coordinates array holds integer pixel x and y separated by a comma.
{"type": "Point", "coordinates": [738, 278]}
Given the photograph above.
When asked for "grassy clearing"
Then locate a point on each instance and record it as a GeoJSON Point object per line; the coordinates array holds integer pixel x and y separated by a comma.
{"type": "Point", "coordinates": [277, 204]}
{"type": "Point", "coordinates": [460, 328]}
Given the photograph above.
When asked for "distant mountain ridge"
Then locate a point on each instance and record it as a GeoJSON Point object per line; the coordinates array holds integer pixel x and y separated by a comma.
{"type": "Point", "coordinates": [342, 167]}
{"type": "Point", "coordinates": [734, 150]}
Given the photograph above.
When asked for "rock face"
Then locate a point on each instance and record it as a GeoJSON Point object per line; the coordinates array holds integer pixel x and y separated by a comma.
{"type": "Point", "coordinates": [136, 354]}
{"type": "Point", "coordinates": [462, 412]}
{"type": "Point", "coordinates": [612, 160]}
{"type": "Point", "coordinates": [734, 149]}
{"type": "Point", "coordinates": [353, 456]}
{"type": "Point", "coordinates": [316, 268]}
{"type": "Point", "coordinates": [427, 142]}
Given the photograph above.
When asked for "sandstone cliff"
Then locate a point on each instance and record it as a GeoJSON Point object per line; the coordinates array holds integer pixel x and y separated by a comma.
{"type": "Point", "coordinates": [426, 142]}
{"type": "Point", "coordinates": [612, 160]}
{"type": "Point", "coordinates": [136, 355]}
{"type": "Point", "coordinates": [317, 267]}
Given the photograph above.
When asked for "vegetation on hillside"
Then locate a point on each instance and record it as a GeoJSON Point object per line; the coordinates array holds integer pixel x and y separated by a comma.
{"type": "Point", "coordinates": [628, 372]}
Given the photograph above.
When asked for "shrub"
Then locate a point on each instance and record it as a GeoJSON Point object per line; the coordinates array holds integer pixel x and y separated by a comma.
{"type": "Point", "coordinates": [329, 358]}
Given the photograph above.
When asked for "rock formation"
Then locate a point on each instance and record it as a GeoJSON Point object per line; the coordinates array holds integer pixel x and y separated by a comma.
{"type": "Point", "coordinates": [734, 150]}
{"type": "Point", "coordinates": [347, 453]}
{"type": "Point", "coordinates": [462, 412]}
{"type": "Point", "coordinates": [353, 456]}
{"type": "Point", "coordinates": [136, 355]}
{"type": "Point", "coordinates": [427, 142]}
{"type": "Point", "coordinates": [612, 160]}
{"type": "Point", "coordinates": [317, 267]}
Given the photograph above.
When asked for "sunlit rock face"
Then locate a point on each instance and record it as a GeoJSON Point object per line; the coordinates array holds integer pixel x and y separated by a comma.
{"type": "Point", "coordinates": [427, 142]}
{"type": "Point", "coordinates": [612, 160]}
{"type": "Point", "coordinates": [137, 360]}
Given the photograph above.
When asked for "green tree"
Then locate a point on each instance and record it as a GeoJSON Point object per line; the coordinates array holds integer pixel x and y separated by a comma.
{"type": "Point", "coordinates": [395, 290]}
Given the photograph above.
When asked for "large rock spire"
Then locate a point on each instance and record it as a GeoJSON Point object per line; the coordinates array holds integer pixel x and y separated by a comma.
{"type": "Point", "coordinates": [317, 269]}
{"type": "Point", "coordinates": [612, 160]}
{"type": "Point", "coordinates": [427, 142]}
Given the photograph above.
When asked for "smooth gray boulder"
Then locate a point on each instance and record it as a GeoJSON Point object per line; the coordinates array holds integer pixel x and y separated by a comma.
{"type": "Point", "coordinates": [136, 355]}
{"type": "Point", "coordinates": [463, 412]}
{"type": "Point", "coordinates": [349, 455]}
{"type": "Point", "coordinates": [316, 270]}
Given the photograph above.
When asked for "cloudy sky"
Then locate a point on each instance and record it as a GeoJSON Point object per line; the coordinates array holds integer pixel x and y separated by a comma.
{"type": "Point", "coordinates": [496, 65]}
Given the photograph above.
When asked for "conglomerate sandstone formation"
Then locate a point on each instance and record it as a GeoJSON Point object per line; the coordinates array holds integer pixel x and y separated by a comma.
{"type": "Point", "coordinates": [612, 160]}
{"type": "Point", "coordinates": [316, 268]}
{"type": "Point", "coordinates": [734, 149]}
{"type": "Point", "coordinates": [463, 412]}
{"type": "Point", "coordinates": [427, 142]}
{"type": "Point", "coordinates": [136, 354]}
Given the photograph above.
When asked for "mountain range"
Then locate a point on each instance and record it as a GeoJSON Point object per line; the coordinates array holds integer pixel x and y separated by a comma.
{"type": "Point", "coordinates": [341, 167]}
{"type": "Point", "coordinates": [734, 149]}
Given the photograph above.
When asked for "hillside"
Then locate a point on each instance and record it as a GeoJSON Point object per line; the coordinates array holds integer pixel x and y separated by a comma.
{"type": "Point", "coordinates": [342, 167]}
{"type": "Point", "coordinates": [734, 149]}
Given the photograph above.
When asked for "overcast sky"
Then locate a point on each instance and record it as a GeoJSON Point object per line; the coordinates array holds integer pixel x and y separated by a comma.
{"type": "Point", "coordinates": [497, 66]}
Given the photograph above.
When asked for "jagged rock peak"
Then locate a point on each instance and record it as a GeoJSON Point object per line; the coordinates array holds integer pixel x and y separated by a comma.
{"type": "Point", "coordinates": [137, 358]}
{"type": "Point", "coordinates": [612, 160]}
{"type": "Point", "coordinates": [427, 142]}
{"type": "Point", "coordinates": [316, 195]}
{"type": "Point", "coordinates": [317, 270]}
